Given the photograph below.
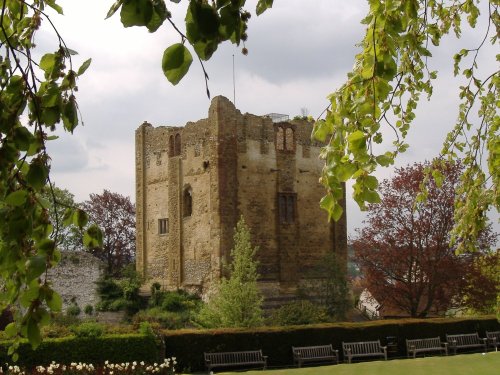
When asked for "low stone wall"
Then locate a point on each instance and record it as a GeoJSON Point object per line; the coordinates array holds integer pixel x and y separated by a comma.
{"type": "Point", "coordinates": [74, 278]}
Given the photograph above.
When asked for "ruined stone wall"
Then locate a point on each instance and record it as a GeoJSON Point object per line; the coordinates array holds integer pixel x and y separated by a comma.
{"type": "Point", "coordinates": [230, 165]}
{"type": "Point", "coordinates": [74, 278]}
{"type": "Point", "coordinates": [196, 169]}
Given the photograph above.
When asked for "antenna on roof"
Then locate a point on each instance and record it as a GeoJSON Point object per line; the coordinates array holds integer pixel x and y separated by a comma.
{"type": "Point", "coordinates": [234, 86]}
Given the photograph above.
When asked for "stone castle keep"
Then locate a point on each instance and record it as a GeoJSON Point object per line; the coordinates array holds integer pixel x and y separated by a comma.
{"type": "Point", "coordinates": [194, 182]}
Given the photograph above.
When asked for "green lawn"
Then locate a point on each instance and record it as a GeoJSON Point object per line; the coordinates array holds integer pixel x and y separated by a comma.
{"type": "Point", "coordinates": [466, 364]}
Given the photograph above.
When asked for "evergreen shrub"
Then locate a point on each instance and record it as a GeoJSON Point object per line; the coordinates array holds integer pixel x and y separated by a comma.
{"type": "Point", "coordinates": [95, 350]}
{"type": "Point", "coordinates": [188, 346]}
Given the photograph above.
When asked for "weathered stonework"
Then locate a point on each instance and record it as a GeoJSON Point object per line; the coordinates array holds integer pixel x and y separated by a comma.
{"type": "Point", "coordinates": [199, 179]}
{"type": "Point", "coordinates": [74, 278]}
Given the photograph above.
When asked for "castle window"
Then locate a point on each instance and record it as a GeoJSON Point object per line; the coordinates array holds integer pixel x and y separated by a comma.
{"type": "Point", "coordinates": [285, 138]}
{"type": "Point", "coordinates": [187, 202]}
{"type": "Point", "coordinates": [177, 145]}
{"type": "Point", "coordinates": [171, 146]}
{"type": "Point", "coordinates": [287, 203]}
{"type": "Point", "coordinates": [280, 139]}
{"type": "Point", "coordinates": [162, 226]}
{"type": "Point", "coordinates": [289, 141]}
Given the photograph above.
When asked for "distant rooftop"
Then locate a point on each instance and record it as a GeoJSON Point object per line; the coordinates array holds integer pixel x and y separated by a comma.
{"type": "Point", "coordinates": [278, 117]}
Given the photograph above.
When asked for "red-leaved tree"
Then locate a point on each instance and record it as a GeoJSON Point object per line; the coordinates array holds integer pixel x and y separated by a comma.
{"type": "Point", "coordinates": [115, 215]}
{"type": "Point", "coordinates": [404, 251]}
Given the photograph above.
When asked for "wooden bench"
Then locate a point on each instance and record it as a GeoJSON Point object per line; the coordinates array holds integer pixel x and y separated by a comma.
{"type": "Point", "coordinates": [427, 345]}
{"type": "Point", "coordinates": [233, 359]}
{"type": "Point", "coordinates": [363, 349]}
{"type": "Point", "coordinates": [320, 353]}
{"type": "Point", "coordinates": [466, 341]}
{"type": "Point", "coordinates": [493, 339]}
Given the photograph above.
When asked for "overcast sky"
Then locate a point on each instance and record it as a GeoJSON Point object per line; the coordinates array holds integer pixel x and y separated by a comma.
{"type": "Point", "coordinates": [299, 52]}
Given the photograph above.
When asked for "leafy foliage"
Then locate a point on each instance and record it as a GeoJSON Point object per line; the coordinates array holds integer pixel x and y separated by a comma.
{"type": "Point", "coordinates": [35, 96]}
{"type": "Point", "coordinates": [207, 25]}
{"type": "Point", "coordinates": [236, 301]}
{"type": "Point", "coordinates": [404, 251]}
{"type": "Point", "coordinates": [120, 294]}
{"type": "Point", "coordinates": [298, 313]}
{"type": "Point", "coordinates": [114, 214]}
{"type": "Point", "coordinates": [59, 201]}
{"type": "Point", "coordinates": [390, 75]}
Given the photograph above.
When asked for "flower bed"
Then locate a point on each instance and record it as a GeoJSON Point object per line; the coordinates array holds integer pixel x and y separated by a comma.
{"type": "Point", "coordinates": [167, 367]}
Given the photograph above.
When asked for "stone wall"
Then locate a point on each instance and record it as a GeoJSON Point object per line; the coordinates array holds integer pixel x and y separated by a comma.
{"type": "Point", "coordinates": [231, 165]}
{"type": "Point", "coordinates": [74, 278]}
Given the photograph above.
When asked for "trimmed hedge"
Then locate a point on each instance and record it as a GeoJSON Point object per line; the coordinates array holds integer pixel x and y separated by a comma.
{"type": "Point", "coordinates": [188, 345]}
{"type": "Point", "coordinates": [95, 350]}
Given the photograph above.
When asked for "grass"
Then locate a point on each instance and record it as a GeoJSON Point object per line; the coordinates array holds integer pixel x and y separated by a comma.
{"type": "Point", "coordinates": [465, 364]}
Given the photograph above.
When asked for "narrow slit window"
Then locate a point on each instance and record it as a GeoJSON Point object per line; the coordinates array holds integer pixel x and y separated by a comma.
{"type": "Point", "coordinates": [287, 203]}
{"type": "Point", "coordinates": [187, 202]}
{"type": "Point", "coordinates": [162, 226]}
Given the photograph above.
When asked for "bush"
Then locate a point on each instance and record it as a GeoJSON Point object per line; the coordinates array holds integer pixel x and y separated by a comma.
{"type": "Point", "coordinates": [88, 310]}
{"type": "Point", "coordinates": [73, 310]}
{"type": "Point", "coordinates": [298, 312]}
{"type": "Point", "coordinates": [88, 329]}
{"type": "Point", "coordinates": [164, 319]}
{"type": "Point", "coordinates": [95, 350]}
{"type": "Point", "coordinates": [188, 345]}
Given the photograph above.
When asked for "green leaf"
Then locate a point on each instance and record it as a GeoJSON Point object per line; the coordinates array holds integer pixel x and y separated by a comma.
{"type": "Point", "coordinates": [263, 5]}
{"type": "Point", "coordinates": [345, 171]}
{"type": "Point", "coordinates": [385, 160]}
{"type": "Point", "coordinates": [370, 196]}
{"type": "Point", "coordinates": [438, 177]}
{"type": "Point", "coordinates": [92, 237]}
{"type": "Point", "coordinates": [37, 174]}
{"type": "Point", "coordinates": [371, 182]}
{"type": "Point", "coordinates": [22, 138]}
{"type": "Point", "coordinates": [70, 115]}
{"type": "Point", "coordinates": [136, 12]}
{"type": "Point", "coordinates": [53, 5]}
{"type": "Point", "coordinates": [321, 129]}
{"type": "Point", "coordinates": [84, 67]}
{"type": "Point", "coordinates": [17, 198]}
{"type": "Point", "coordinates": [54, 302]}
{"type": "Point", "coordinates": [357, 141]}
{"type": "Point", "coordinates": [33, 331]}
{"type": "Point", "coordinates": [114, 8]}
{"type": "Point", "coordinates": [176, 62]}
{"type": "Point", "coordinates": [160, 14]}
{"type": "Point", "coordinates": [47, 62]}
{"type": "Point", "coordinates": [336, 212]}
{"type": "Point", "coordinates": [80, 218]}
{"type": "Point", "coordinates": [10, 330]}
{"type": "Point", "coordinates": [35, 266]}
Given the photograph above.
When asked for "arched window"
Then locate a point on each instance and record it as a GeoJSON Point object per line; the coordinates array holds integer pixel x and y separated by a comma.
{"type": "Point", "coordinates": [280, 139]}
{"type": "Point", "coordinates": [289, 141]}
{"type": "Point", "coordinates": [171, 146]}
{"type": "Point", "coordinates": [187, 202]}
{"type": "Point", "coordinates": [177, 148]}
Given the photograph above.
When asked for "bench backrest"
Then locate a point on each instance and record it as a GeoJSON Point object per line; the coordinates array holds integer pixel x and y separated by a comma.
{"type": "Point", "coordinates": [427, 343]}
{"type": "Point", "coordinates": [313, 351]}
{"type": "Point", "coordinates": [464, 339]}
{"type": "Point", "coordinates": [362, 347]}
{"type": "Point", "coordinates": [492, 335]}
{"type": "Point", "coordinates": [234, 357]}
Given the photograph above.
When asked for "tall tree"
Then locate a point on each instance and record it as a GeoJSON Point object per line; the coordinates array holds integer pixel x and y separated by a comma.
{"type": "Point", "coordinates": [67, 237]}
{"type": "Point", "coordinates": [236, 301]}
{"type": "Point", "coordinates": [404, 251]}
{"type": "Point", "coordinates": [37, 91]}
{"type": "Point", "coordinates": [115, 215]}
